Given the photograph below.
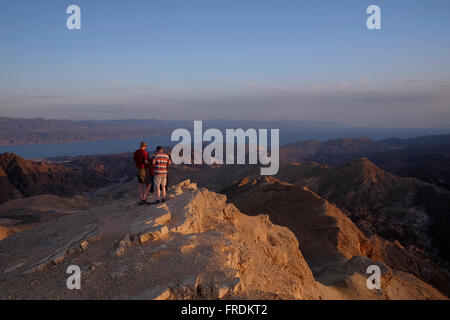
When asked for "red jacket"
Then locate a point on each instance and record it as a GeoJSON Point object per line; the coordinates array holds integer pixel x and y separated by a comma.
{"type": "Point", "coordinates": [140, 157]}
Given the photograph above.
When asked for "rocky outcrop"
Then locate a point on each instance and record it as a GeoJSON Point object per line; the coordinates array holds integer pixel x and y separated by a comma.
{"type": "Point", "coordinates": [406, 210]}
{"type": "Point", "coordinates": [327, 236]}
{"type": "Point", "coordinates": [194, 246]}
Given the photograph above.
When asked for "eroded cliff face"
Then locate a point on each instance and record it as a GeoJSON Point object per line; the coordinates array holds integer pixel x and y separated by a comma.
{"type": "Point", "coordinates": [328, 237]}
{"type": "Point", "coordinates": [194, 246]}
{"type": "Point", "coordinates": [20, 178]}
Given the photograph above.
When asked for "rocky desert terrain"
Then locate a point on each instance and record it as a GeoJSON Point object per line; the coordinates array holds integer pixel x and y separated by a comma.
{"type": "Point", "coordinates": [197, 245]}
{"type": "Point", "coordinates": [310, 232]}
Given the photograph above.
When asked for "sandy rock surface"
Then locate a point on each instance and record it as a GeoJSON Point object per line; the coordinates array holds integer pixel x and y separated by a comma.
{"type": "Point", "coordinates": [194, 246]}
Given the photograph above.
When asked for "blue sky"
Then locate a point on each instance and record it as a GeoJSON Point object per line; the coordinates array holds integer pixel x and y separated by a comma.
{"type": "Point", "coordinates": [203, 59]}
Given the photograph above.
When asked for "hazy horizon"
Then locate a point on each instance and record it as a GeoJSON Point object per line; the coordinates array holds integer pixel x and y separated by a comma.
{"type": "Point", "coordinates": [257, 60]}
{"type": "Point", "coordinates": [339, 125]}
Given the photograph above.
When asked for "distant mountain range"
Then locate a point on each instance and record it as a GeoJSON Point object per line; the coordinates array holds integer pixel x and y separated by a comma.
{"type": "Point", "coordinates": [430, 141]}
{"type": "Point", "coordinates": [19, 131]}
{"type": "Point", "coordinates": [66, 176]}
{"type": "Point", "coordinates": [332, 152]}
{"type": "Point", "coordinates": [425, 158]}
{"type": "Point", "coordinates": [15, 131]}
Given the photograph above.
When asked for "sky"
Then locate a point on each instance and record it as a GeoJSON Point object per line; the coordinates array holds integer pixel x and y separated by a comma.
{"type": "Point", "coordinates": [233, 59]}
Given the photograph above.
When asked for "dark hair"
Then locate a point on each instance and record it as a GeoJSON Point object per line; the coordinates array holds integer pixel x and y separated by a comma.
{"type": "Point", "coordinates": [159, 148]}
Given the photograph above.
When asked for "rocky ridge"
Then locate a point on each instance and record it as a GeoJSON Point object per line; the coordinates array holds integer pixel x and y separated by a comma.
{"type": "Point", "coordinates": [194, 246]}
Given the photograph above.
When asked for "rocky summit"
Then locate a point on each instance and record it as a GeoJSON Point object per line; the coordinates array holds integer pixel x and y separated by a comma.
{"type": "Point", "coordinates": [197, 245]}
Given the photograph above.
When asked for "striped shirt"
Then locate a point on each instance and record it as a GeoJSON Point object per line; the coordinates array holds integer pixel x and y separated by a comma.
{"type": "Point", "coordinates": [161, 164]}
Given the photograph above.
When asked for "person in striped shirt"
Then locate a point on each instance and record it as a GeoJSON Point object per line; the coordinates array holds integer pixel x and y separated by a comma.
{"type": "Point", "coordinates": [161, 162]}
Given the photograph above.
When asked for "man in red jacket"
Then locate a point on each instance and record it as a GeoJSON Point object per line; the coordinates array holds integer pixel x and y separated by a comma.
{"type": "Point", "coordinates": [141, 160]}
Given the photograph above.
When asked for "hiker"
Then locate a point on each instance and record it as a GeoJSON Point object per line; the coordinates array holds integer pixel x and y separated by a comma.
{"type": "Point", "coordinates": [152, 175]}
{"type": "Point", "coordinates": [141, 160]}
{"type": "Point", "coordinates": [161, 162]}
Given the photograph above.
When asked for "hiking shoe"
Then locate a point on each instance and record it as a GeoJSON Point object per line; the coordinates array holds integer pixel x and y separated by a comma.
{"type": "Point", "coordinates": [163, 200]}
